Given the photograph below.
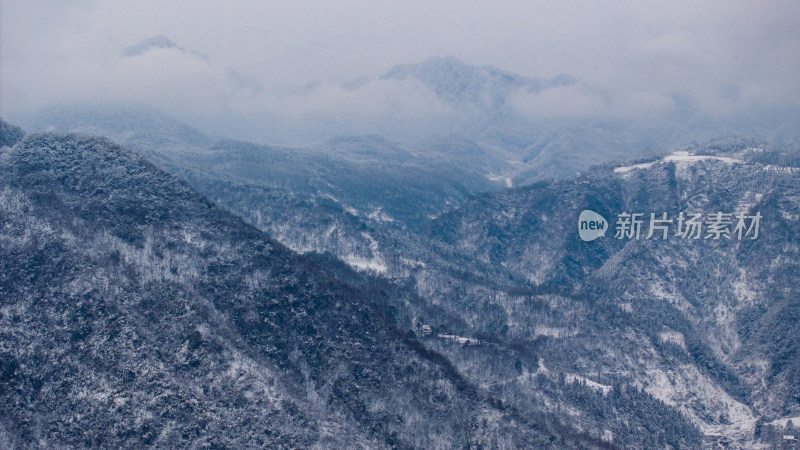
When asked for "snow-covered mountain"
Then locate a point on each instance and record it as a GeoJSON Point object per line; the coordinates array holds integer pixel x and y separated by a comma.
{"type": "Point", "coordinates": [460, 84]}
{"type": "Point", "coordinates": [707, 326]}
{"type": "Point", "coordinates": [631, 342]}
{"type": "Point", "coordinates": [507, 113]}
{"type": "Point", "coordinates": [134, 312]}
{"type": "Point", "coordinates": [462, 233]}
{"type": "Point", "coordinates": [154, 42]}
{"type": "Point", "coordinates": [701, 331]}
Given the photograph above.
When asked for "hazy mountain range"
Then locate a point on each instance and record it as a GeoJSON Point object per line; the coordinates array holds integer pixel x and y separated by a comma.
{"type": "Point", "coordinates": [491, 293]}
{"type": "Point", "coordinates": [541, 125]}
{"type": "Point", "coordinates": [394, 262]}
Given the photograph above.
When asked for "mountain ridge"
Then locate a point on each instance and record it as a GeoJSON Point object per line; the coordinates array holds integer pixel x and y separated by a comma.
{"type": "Point", "coordinates": [165, 307]}
{"type": "Point", "coordinates": [460, 83]}
{"type": "Point", "coordinates": [724, 305]}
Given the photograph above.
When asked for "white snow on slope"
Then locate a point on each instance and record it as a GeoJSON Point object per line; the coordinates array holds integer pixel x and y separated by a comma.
{"type": "Point", "coordinates": [659, 290]}
{"type": "Point", "coordinates": [686, 157]}
{"type": "Point", "coordinates": [571, 378]}
{"type": "Point", "coordinates": [673, 336]}
{"type": "Point", "coordinates": [682, 157]}
{"type": "Point", "coordinates": [461, 340]}
{"type": "Point", "coordinates": [624, 169]}
{"type": "Point", "coordinates": [555, 332]}
{"type": "Point", "coordinates": [685, 386]}
{"type": "Point", "coordinates": [365, 264]}
{"type": "Point", "coordinates": [782, 169]}
{"type": "Point", "coordinates": [493, 177]}
{"type": "Point", "coordinates": [748, 201]}
{"type": "Point", "coordinates": [784, 422]}
{"type": "Point", "coordinates": [379, 215]}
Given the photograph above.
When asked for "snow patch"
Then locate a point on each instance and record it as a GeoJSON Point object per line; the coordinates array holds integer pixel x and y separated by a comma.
{"type": "Point", "coordinates": [329, 232]}
{"type": "Point", "coordinates": [685, 385]}
{"type": "Point", "coordinates": [461, 340]}
{"type": "Point", "coordinates": [329, 196]}
{"type": "Point", "coordinates": [541, 368]}
{"type": "Point", "coordinates": [749, 201]}
{"type": "Point", "coordinates": [365, 264]}
{"type": "Point", "coordinates": [380, 216]}
{"type": "Point", "coordinates": [572, 378]}
{"type": "Point", "coordinates": [781, 169]}
{"type": "Point", "coordinates": [555, 332]}
{"type": "Point", "coordinates": [508, 181]}
{"type": "Point", "coordinates": [784, 422]}
{"type": "Point", "coordinates": [742, 290]}
{"type": "Point", "coordinates": [375, 263]}
{"type": "Point", "coordinates": [680, 157]}
{"type": "Point", "coordinates": [790, 217]}
{"type": "Point", "coordinates": [624, 169]}
{"type": "Point", "coordinates": [413, 263]}
{"type": "Point", "coordinates": [686, 157]}
{"type": "Point", "coordinates": [673, 336]}
{"type": "Point", "coordinates": [658, 290]}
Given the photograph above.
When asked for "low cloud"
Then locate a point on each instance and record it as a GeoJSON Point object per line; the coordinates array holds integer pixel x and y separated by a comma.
{"type": "Point", "coordinates": [579, 101]}
{"type": "Point", "coordinates": [382, 98]}
{"type": "Point", "coordinates": [633, 58]}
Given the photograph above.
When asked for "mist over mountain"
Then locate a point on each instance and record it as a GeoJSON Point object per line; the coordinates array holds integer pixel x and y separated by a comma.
{"type": "Point", "coordinates": [399, 225]}
{"type": "Point", "coordinates": [522, 119]}
{"type": "Point", "coordinates": [128, 124]}
{"type": "Point", "coordinates": [458, 83]}
{"type": "Point", "coordinates": [252, 73]}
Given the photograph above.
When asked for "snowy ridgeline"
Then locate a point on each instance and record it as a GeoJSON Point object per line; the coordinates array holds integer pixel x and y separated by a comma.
{"type": "Point", "coordinates": [679, 157]}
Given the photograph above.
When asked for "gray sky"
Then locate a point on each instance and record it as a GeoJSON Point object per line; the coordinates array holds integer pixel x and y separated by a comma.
{"type": "Point", "coordinates": [631, 56]}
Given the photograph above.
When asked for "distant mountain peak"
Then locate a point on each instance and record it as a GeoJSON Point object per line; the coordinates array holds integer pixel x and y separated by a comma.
{"type": "Point", "coordinates": [564, 80]}
{"type": "Point", "coordinates": [455, 81]}
{"type": "Point", "coordinates": [159, 41]}
{"type": "Point", "coordinates": [448, 62]}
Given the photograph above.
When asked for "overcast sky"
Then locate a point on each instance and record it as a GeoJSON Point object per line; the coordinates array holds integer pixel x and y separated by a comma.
{"type": "Point", "coordinates": [723, 56]}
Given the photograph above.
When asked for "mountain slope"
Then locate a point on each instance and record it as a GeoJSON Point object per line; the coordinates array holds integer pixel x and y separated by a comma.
{"type": "Point", "coordinates": [707, 326]}
{"type": "Point", "coordinates": [135, 312]}
{"type": "Point", "coordinates": [9, 134]}
{"type": "Point", "coordinates": [500, 331]}
{"type": "Point", "coordinates": [364, 173]}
